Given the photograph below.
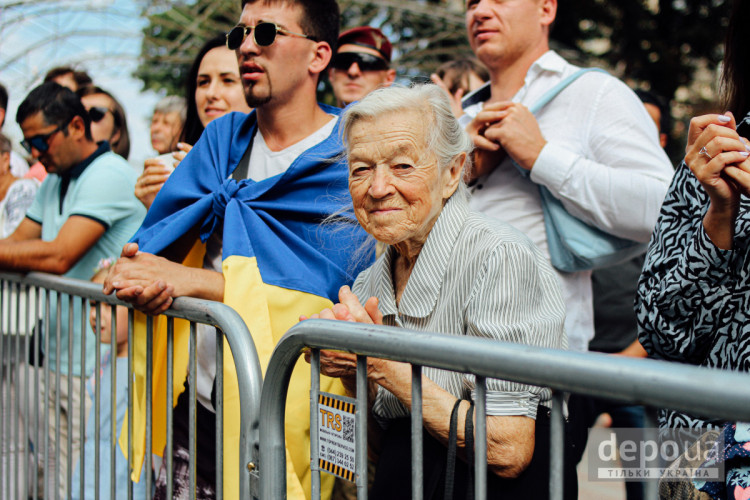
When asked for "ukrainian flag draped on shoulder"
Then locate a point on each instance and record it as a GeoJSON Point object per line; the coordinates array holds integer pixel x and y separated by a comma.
{"type": "Point", "coordinates": [278, 261]}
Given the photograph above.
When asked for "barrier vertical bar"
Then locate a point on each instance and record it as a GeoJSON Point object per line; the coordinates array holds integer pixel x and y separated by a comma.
{"type": "Point", "coordinates": [314, 423]}
{"type": "Point", "coordinates": [58, 332]}
{"type": "Point", "coordinates": [114, 391]}
{"type": "Point", "coordinates": [361, 427]}
{"type": "Point", "coordinates": [3, 393]}
{"type": "Point", "coordinates": [5, 414]}
{"type": "Point", "coordinates": [192, 414]}
{"type": "Point", "coordinates": [47, 395]}
{"type": "Point", "coordinates": [71, 409]}
{"type": "Point", "coordinates": [37, 437]}
{"type": "Point", "coordinates": [97, 397]}
{"type": "Point", "coordinates": [219, 415]}
{"type": "Point", "coordinates": [17, 387]}
{"type": "Point", "coordinates": [131, 350]}
{"type": "Point", "coordinates": [83, 415]}
{"type": "Point", "coordinates": [417, 456]}
{"type": "Point", "coordinates": [27, 409]}
{"type": "Point", "coordinates": [149, 397]}
{"type": "Point", "coordinates": [650, 488]}
{"type": "Point", "coordinates": [169, 452]}
{"type": "Point", "coordinates": [557, 446]}
{"type": "Point", "coordinates": [480, 441]}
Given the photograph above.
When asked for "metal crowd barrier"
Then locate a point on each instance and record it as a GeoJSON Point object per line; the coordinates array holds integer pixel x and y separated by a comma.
{"type": "Point", "coordinates": [24, 301]}
{"type": "Point", "coordinates": [711, 393]}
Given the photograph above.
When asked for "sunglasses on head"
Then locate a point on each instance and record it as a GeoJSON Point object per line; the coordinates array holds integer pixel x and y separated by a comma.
{"type": "Point", "coordinates": [366, 62]}
{"type": "Point", "coordinates": [264, 34]}
{"type": "Point", "coordinates": [96, 113]}
{"type": "Point", "coordinates": [40, 142]}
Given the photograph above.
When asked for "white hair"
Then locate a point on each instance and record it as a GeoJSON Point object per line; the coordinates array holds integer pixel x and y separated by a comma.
{"type": "Point", "coordinates": [170, 104]}
{"type": "Point", "coordinates": [446, 139]}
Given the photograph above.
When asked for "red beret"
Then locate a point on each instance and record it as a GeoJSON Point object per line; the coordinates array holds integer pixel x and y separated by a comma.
{"type": "Point", "coordinates": [367, 36]}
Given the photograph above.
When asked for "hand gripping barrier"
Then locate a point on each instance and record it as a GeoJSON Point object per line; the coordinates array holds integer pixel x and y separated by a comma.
{"type": "Point", "coordinates": [711, 393]}
{"type": "Point", "coordinates": [27, 304]}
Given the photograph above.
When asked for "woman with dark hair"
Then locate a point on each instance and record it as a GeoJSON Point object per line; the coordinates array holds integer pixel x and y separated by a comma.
{"type": "Point", "coordinates": [108, 122]}
{"type": "Point", "coordinates": [213, 88]}
{"type": "Point", "coordinates": [694, 294]}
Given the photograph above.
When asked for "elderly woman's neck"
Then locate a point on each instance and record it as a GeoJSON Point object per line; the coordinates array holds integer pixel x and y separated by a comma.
{"type": "Point", "coordinates": [408, 252]}
{"type": "Point", "coordinates": [403, 264]}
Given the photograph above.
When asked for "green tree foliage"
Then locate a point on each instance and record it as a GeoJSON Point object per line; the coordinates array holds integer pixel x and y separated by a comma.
{"type": "Point", "coordinates": [175, 33]}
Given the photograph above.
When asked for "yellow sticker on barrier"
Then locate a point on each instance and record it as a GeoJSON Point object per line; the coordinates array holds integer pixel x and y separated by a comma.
{"type": "Point", "coordinates": [336, 431]}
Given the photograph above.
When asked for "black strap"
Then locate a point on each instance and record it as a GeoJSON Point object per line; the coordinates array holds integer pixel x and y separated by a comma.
{"type": "Point", "coordinates": [242, 169]}
{"type": "Point", "coordinates": [469, 440]}
{"type": "Point", "coordinates": [450, 465]}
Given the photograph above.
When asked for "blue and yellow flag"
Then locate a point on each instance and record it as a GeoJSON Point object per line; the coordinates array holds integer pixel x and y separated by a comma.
{"type": "Point", "coordinates": [279, 262]}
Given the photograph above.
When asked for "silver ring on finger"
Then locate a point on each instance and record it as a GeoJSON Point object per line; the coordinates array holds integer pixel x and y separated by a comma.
{"type": "Point", "coordinates": [704, 152]}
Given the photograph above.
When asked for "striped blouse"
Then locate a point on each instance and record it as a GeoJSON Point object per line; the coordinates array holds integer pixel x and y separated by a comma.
{"type": "Point", "coordinates": [474, 276]}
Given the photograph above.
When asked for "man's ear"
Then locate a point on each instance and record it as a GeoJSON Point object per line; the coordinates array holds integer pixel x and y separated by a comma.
{"type": "Point", "coordinates": [321, 57]}
{"type": "Point", "coordinates": [548, 12]}
{"type": "Point", "coordinates": [390, 77]}
{"type": "Point", "coordinates": [77, 128]}
{"type": "Point", "coordinates": [2, 117]}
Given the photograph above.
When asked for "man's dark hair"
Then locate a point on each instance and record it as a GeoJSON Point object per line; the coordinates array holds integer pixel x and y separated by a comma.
{"type": "Point", "coordinates": [735, 78]}
{"type": "Point", "coordinates": [665, 115]}
{"type": "Point", "coordinates": [81, 77]}
{"type": "Point", "coordinates": [3, 97]}
{"type": "Point", "coordinates": [320, 18]}
{"type": "Point", "coordinates": [58, 104]}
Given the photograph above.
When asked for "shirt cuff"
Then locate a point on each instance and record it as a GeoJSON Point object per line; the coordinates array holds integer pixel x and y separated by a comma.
{"type": "Point", "coordinates": [703, 255]}
{"type": "Point", "coordinates": [552, 167]}
{"type": "Point", "coordinates": [507, 404]}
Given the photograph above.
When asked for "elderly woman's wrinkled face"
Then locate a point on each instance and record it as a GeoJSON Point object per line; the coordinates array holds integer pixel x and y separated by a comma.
{"type": "Point", "coordinates": [396, 185]}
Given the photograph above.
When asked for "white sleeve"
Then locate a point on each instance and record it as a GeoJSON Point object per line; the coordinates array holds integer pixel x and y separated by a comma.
{"type": "Point", "coordinates": [620, 182]}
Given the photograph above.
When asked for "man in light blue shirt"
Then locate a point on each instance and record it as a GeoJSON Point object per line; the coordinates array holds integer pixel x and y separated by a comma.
{"type": "Point", "coordinates": [84, 211]}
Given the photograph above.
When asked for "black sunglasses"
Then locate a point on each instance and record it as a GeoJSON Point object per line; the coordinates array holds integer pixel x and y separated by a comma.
{"type": "Point", "coordinates": [264, 34]}
{"type": "Point", "coordinates": [366, 62]}
{"type": "Point", "coordinates": [40, 142]}
{"type": "Point", "coordinates": [96, 113]}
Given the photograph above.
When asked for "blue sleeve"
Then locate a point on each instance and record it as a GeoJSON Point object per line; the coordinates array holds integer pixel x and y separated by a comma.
{"type": "Point", "coordinates": [36, 209]}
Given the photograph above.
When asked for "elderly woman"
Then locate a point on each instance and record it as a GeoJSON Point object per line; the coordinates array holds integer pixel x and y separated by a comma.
{"type": "Point", "coordinates": [445, 269]}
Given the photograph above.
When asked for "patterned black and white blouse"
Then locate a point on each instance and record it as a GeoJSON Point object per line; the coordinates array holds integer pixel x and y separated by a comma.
{"type": "Point", "coordinates": [693, 302]}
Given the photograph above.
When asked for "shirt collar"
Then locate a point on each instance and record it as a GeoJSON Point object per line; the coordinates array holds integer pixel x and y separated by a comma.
{"type": "Point", "coordinates": [422, 289]}
{"type": "Point", "coordinates": [76, 170]}
{"type": "Point", "coordinates": [549, 61]}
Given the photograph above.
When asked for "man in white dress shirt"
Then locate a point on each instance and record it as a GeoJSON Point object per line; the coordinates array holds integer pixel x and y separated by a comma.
{"type": "Point", "coordinates": [593, 146]}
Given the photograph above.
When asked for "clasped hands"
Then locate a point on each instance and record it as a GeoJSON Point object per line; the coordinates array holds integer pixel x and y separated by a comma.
{"type": "Point", "coordinates": [343, 365]}
{"type": "Point", "coordinates": [718, 157]}
{"type": "Point", "coordinates": [504, 128]}
{"type": "Point", "coordinates": [142, 279]}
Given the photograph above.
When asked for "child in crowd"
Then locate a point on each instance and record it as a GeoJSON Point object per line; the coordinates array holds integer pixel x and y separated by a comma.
{"type": "Point", "coordinates": [107, 393]}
